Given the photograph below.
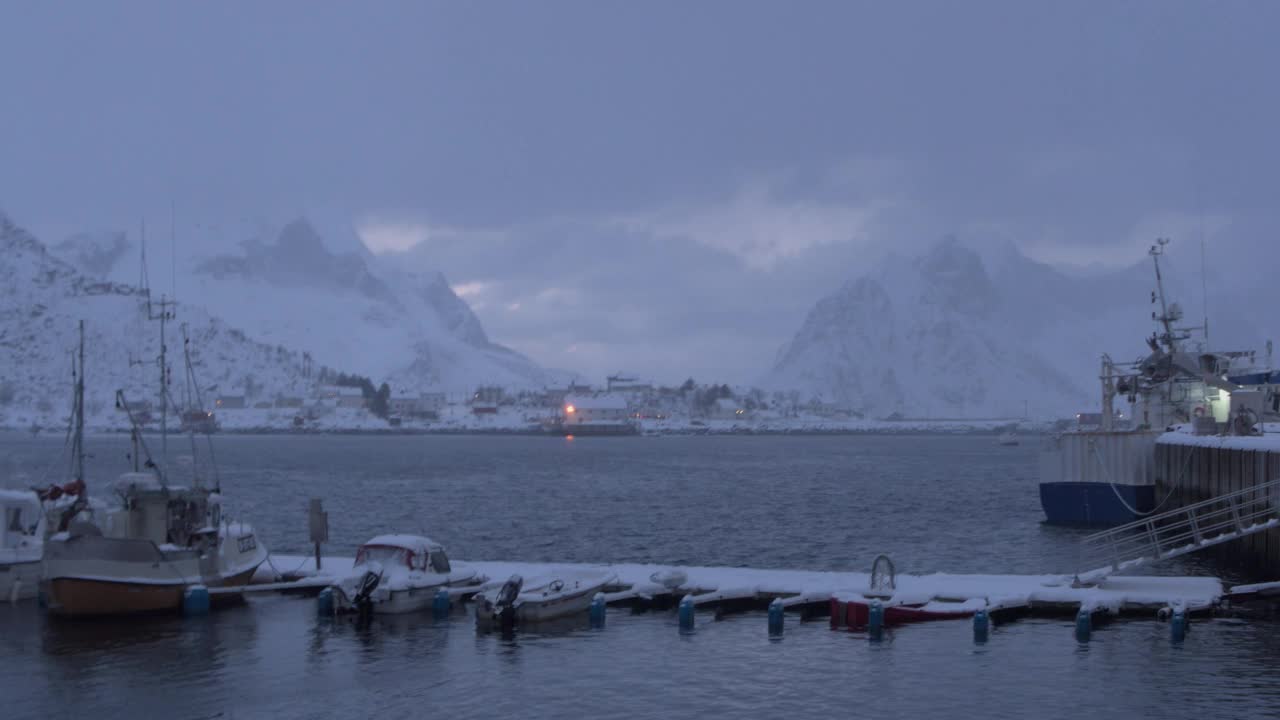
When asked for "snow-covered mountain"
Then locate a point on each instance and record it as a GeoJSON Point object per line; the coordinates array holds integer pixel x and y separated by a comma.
{"type": "Point", "coordinates": [42, 300]}
{"type": "Point", "coordinates": [951, 334]}
{"type": "Point", "coordinates": [348, 309]}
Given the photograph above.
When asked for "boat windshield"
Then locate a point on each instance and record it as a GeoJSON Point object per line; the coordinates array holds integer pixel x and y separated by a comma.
{"type": "Point", "coordinates": [384, 554]}
{"type": "Point", "coordinates": [439, 562]}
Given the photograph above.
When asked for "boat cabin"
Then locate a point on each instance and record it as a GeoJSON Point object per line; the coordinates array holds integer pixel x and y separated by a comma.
{"type": "Point", "coordinates": [411, 552]}
{"type": "Point", "coordinates": [164, 514]}
{"type": "Point", "coordinates": [23, 519]}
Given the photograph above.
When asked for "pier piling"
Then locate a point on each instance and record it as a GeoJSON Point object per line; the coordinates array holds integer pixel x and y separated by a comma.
{"type": "Point", "coordinates": [1084, 625]}
{"type": "Point", "coordinates": [598, 610]}
{"type": "Point", "coordinates": [686, 614]}
{"type": "Point", "coordinates": [776, 618]}
{"type": "Point", "coordinates": [981, 627]}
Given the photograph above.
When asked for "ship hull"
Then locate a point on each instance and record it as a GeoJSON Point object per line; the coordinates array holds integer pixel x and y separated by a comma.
{"type": "Point", "coordinates": [1095, 504]}
{"type": "Point", "coordinates": [586, 429]}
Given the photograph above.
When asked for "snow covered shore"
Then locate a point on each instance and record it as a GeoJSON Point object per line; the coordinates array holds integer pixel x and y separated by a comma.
{"type": "Point", "coordinates": [520, 421]}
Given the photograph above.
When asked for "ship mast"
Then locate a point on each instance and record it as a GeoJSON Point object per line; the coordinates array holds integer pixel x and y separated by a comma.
{"type": "Point", "coordinates": [1164, 319]}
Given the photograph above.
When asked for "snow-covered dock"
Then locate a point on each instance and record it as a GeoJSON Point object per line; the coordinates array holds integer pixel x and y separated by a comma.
{"type": "Point", "coordinates": [722, 587]}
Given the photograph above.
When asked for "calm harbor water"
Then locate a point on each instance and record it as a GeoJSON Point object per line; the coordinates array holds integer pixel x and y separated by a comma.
{"type": "Point", "coordinates": [933, 503]}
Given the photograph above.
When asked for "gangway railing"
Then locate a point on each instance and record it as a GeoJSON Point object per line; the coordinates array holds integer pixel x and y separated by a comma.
{"type": "Point", "coordinates": [1179, 532]}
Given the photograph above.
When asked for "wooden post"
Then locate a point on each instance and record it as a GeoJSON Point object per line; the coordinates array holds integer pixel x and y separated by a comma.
{"type": "Point", "coordinates": [319, 525]}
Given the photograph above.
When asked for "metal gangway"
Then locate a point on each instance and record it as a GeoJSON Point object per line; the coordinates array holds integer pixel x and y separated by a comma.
{"type": "Point", "coordinates": [1179, 532]}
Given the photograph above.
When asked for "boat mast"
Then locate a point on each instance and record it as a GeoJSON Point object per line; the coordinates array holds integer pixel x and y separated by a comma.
{"type": "Point", "coordinates": [78, 444]}
{"type": "Point", "coordinates": [163, 311]}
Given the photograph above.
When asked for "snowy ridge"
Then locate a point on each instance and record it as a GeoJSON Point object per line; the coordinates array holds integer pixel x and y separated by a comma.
{"type": "Point", "coordinates": [346, 309]}
{"type": "Point", "coordinates": [42, 300]}
{"type": "Point", "coordinates": [935, 337]}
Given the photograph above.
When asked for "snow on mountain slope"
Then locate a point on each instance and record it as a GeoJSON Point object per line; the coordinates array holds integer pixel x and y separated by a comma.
{"type": "Point", "coordinates": [42, 300]}
{"type": "Point", "coordinates": [933, 337]}
{"type": "Point", "coordinates": [351, 310]}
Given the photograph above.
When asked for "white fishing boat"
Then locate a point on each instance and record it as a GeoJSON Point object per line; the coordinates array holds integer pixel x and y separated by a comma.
{"type": "Point", "coordinates": [143, 555]}
{"type": "Point", "coordinates": [396, 574]}
{"type": "Point", "coordinates": [157, 541]}
{"type": "Point", "coordinates": [21, 544]}
{"type": "Point", "coordinates": [543, 598]}
{"type": "Point", "coordinates": [1007, 438]}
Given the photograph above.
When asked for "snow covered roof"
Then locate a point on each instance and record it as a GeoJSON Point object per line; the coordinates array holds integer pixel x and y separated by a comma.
{"type": "Point", "coordinates": [136, 481]}
{"type": "Point", "coordinates": [17, 497]}
{"type": "Point", "coordinates": [1182, 435]}
{"type": "Point", "coordinates": [596, 402]}
{"type": "Point", "coordinates": [416, 544]}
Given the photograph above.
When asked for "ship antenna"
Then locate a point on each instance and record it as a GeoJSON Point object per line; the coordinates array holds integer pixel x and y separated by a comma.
{"type": "Point", "coordinates": [173, 250]}
{"type": "Point", "coordinates": [1204, 286]}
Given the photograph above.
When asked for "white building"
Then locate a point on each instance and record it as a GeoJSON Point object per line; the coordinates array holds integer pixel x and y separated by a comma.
{"type": "Point", "coordinates": [595, 411]}
{"type": "Point", "coordinates": [728, 409]}
{"type": "Point", "coordinates": [340, 396]}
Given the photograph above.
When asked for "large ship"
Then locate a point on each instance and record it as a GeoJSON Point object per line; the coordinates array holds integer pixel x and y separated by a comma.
{"type": "Point", "coordinates": [1102, 471]}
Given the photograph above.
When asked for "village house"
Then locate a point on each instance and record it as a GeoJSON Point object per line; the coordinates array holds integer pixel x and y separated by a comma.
{"type": "Point", "coordinates": [594, 410]}
{"type": "Point", "coordinates": [230, 402]}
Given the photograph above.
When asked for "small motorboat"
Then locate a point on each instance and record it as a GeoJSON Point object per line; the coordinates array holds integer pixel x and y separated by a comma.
{"type": "Point", "coordinates": [544, 598]}
{"type": "Point", "coordinates": [396, 574]}
{"type": "Point", "coordinates": [855, 612]}
{"type": "Point", "coordinates": [1007, 438]}
{"type": "Point", "coordinates": [21, 544]}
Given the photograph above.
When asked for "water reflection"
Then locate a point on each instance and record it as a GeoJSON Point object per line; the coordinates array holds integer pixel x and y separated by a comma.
{"type": "Point", "coordinates": [932, 503]}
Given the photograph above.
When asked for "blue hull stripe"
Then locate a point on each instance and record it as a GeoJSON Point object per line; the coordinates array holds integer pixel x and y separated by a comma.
{"type": "Point", "coordinates": [1081, 503]}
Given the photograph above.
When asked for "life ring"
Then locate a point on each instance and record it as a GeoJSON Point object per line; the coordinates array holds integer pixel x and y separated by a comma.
{"type": "Point", "coordinates": [1199, 411]}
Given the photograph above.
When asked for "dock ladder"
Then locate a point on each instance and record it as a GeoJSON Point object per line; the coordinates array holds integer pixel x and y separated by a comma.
{"type": "Point", "coordinates": [1179, 532]}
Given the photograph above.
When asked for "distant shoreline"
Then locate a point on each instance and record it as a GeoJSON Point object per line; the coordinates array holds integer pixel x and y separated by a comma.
{"type": "Point", "coordinates": [519, 432]}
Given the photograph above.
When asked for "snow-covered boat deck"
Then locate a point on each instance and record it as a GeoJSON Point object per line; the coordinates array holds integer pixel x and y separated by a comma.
{"type": "Point", "coordinates": [714, 586]}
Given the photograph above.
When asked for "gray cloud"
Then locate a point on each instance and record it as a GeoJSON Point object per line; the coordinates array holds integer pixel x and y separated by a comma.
{"type": "Point", "coordinates": [660, 185]}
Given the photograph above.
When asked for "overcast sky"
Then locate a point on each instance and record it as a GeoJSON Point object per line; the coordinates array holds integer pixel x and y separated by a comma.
{"type": "Point", "coordinates": [650, 186]}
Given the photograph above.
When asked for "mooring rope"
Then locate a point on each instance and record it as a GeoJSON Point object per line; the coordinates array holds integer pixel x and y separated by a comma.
{"type": "Point", "coordinates": [1173, 486]}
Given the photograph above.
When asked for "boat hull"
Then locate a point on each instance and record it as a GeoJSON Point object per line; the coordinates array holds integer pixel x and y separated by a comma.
{"type": "Point", "coordinates": [857, 613]}
{"type": "Point", "coordinates": [19, 580]}
{"type": "Point", "coordinates": [96, 597]}
{"type": "Point", "coordinates": [588, 429]}
{"type": "Point", "coordinates": [1093, 504]}
{"type": "Point", "coordinates": [542, 604]}
{"type": "Point", "coordinates": [396, 602]}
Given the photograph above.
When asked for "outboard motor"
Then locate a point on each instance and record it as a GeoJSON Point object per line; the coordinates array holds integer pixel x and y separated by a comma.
{"type": "Point", "coordinates": [363, 599]}
{"type": "Point", "coordinates": [503, 610]}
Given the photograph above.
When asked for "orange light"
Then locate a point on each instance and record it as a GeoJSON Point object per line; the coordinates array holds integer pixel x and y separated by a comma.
{"type": "Point", "coordinates": [569, 409]}
{"type": "Point", "coordinates": [568, 437]}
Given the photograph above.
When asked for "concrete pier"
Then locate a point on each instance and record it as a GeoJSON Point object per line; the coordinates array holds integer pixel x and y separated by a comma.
{"type": "Point", "coordinates": [1191, 468]}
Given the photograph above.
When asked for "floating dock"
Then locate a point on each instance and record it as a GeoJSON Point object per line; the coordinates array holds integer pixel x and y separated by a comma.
{"type": "Point", "coordinates": [905, 598]}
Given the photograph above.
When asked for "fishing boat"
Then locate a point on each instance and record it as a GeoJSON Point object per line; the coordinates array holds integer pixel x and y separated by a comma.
{"type": "Point", "coordinates": [396, 574]}
{"type": "Point", "coordinates": [544, 598]}
{"type": "Point", "coordinates": [21, 544]}
{"type": "Point", "coordinates": [1007, 439]}
{"type": "Point", "coordinates": [1102, 471]}
{"type": "Point", "coordinates": [158, 541]}
{"type": "Point", "coordinates": [162, 540]}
